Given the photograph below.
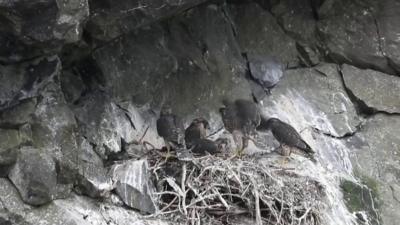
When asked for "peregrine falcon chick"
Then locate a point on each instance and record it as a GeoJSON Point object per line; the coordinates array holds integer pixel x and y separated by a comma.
{"type": "Point", "coordinates": [170, 128]}
{"type": "Point", "coordinates": [204, 146]}
{"type": "Point", "coordinates": [196, 130]}
{"type": "Point", "coordinates": [240, 118]}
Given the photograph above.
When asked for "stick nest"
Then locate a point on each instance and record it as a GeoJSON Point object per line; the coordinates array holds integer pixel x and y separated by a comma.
{"type": "Point", "coordinates": [215, 190]}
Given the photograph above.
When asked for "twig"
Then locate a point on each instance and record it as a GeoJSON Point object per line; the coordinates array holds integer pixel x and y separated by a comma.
{"type": "Point", "coordinates": [144, 134]}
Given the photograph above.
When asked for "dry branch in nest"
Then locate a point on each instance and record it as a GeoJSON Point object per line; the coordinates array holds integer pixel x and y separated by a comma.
{"type": "Point", "coordinates": [212, 189]}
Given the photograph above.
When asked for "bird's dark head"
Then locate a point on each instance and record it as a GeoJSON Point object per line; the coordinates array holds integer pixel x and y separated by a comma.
{"type": "Point", "coordinates": [222, 110]}
{"type": "Point", "coordinates": [222, 144]}
{"type": "Point", "coordinates": [203, 121]}
{"type": "Point", "coordinates": [271, 122]}
{"type": "Point", "coordinates": [166, 110]}
{"type": "Point", "coordinates": [226, 102]}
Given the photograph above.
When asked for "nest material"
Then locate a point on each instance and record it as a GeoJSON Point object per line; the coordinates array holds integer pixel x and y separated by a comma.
{"type": "Point", "coordinates": [215, 190]}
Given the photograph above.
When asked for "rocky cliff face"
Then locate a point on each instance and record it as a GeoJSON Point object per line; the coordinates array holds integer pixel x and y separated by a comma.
{"type": "Point", "coordinates": [80, 79]}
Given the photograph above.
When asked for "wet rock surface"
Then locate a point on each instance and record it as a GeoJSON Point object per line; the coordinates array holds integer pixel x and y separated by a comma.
{"type": "Point", "coordinates": [82, 82]}
{"type": "Point", "coordinates": [302, 91]}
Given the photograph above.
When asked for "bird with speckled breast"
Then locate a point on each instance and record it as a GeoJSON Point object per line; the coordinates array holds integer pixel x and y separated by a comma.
{"type": "Point", "coordinates": [240, 118]}
{"type": "Point", "coordinates": [196, 130]}
{"type": "Point", "coordinates": [196, 139]}
{"type": "Point", "coordinates": [170, 128]}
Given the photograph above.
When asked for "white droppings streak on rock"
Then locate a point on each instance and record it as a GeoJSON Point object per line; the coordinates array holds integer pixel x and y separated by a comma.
{"type": "Point", "coordinates": [132, 184]}
{"type": "Point", "coordinates": [294, 109]}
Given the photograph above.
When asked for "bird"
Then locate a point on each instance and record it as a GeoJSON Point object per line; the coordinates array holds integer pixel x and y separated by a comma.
{"type": "Point", "coordinates": [170, 128]}
{"type": "Point", "coordinates": [203, 146]}
{"type": "Point", "coordinates": [240, 118]}
{"type": "Point", "coordinates": [196, 130]}
{"type": "Point", "coordinates": [288, 137]}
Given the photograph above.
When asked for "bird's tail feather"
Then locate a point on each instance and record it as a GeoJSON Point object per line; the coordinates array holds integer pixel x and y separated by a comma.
{"type": "Point", "coordinates": [307, 155]}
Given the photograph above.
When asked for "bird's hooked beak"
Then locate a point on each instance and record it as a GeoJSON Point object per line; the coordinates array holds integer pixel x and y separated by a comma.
{"type": "Point", "coordinates": [222, 110]}
{"type": "Point", "coordinates": [201, 121]}
{"type": "Point", "coordinates": [265, 123]}
{"type": "Point", "coordinates": [206, 124]}
{"type": "Point", "coordinates": [165, 110]}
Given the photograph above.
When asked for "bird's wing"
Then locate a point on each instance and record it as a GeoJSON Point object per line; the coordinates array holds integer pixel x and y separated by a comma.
{"type": "Point", "coordinates": [230, 118]}
{"type": "Point", "coordinates": [285, 133]}
{"type": "Point", "coordinates": [202, 146]}
{"type": "Point", "coordinates": [249, 115]}
{"type": "Point", "coordinates": [163, 127]}
{"type": "Point", "coordinates": [191, 134]}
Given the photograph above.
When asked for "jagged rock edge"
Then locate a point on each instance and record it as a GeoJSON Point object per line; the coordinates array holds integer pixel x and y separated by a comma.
{"type": "Point", "coordinates": [361, 107]}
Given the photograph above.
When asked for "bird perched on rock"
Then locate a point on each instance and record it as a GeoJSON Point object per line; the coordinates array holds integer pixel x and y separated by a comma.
{"type": "Point", "coordinates": [240, 118]}
{"type": "Point", "coordinates": [288, 137]}
{"type": "Point", "coordinates": [203, 146]}
{"type": "Point", "coordinates": [196, 130]}
{"type": "Point", "coordinates": [170, 128]}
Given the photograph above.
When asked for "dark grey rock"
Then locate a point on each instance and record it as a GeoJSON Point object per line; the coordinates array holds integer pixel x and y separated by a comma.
{"type": "Point", "coordinates": [30, 29]}
{"type": "Point", "coordinates": [72, 86]}
{"type": "Point", "coordinates": [10, 198]}
{"type": "Point", "coordinates": [8, 156]}
{"type": "Point", "coordinates": [299, 20]}
{"type": "Point", "coordinates": [12, 80]}
{"type": "Point", "coordinates": [133, 65]}
{"type": "Point", "coordinates": [133, 184]}
{"type": "Point", "coordinates": [76, 210]}
{"type": "Point", "coordinates": [19, 114]}
{"type": "Point", "coordinates": [318, 99]}
{"type": "Point", "coordinates": [267, 71]}
{"type": "Point", "coordinates": [4, 221]}
{"type": "Point", "coordinates": [26, 80]}
{"type": "Point", "coordinates": [54, 131]}
{"type": "Point", "coordinates": [193, 65]}
{"type": "Point", "coordinates": [10, 141]}
{"type": "Point", "coordinates": [376, 90]}
{"type": "Point", "coordinates": [97, 112]}
{"type": "Point", "coordinates": [258, 33]}
{"type": "Point", "coordinates": [35, 176]}
{"type": "Point", "coordinates": [92, 179]}
{"type": "Point", "coordinates": [110, 19]}
{"type": "Point", "coordinates": [350, 34]}
{"type": "Point", "coordinates": [12, 219]}
{"type": "Point", "coordinates": [388, 18]}
{"type": "Point", "coordinates": [37, 106]}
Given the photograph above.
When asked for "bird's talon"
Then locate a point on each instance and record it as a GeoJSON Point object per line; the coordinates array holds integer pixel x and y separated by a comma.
{"type": "Point", "coordinates": [284, 161]}
{"type": "Point", "coordinates": [238, 153]}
